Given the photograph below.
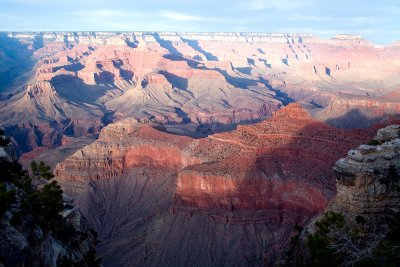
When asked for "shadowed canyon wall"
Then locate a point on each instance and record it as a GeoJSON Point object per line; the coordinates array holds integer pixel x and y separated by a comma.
{"type": "Point", "coordinates": [234, 195]}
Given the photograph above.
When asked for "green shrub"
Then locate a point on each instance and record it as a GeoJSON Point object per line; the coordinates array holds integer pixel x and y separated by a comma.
{"type": "Point", "coordinates": [10, 171]}
{"type": "Point", "coordinates": [331, 220]}
{"type": "Point", "coordinates": [7, 197]}
{"type": "Point", "coordinates": [41, 170]}
{"type": "Point", "coordinates": [320, 251]}
{"type": "Point", "coordinates": [45, 205]}
{"type": "Point", "coordinates": [319, 243]}
{"type": "Point", "coordinates": [373, 142]}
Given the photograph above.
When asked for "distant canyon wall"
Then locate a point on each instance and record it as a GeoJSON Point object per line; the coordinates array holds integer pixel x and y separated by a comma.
{"type": "Point", "coordinates": [73, 84]}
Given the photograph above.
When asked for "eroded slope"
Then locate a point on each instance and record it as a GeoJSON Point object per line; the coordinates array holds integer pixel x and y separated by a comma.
{"type": "Point", "coordinates": [229, 199]}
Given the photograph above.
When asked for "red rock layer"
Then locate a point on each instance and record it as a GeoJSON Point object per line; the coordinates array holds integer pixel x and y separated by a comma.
{"type": "Point", "coordinates": [282, 163]}
{"type": "Point", "coordinates": [231, 194]}
{"type": "Point", "coordinates": [206, 80]}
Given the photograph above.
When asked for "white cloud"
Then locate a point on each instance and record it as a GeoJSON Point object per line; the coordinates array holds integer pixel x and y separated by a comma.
{"type": "Point", "coordinates": [364, 20]}
{"type": "Point", "coordinates": [299, 17]}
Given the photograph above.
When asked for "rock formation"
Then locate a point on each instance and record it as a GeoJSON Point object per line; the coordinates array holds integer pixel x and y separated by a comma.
{"type": "Point", "coordinates": [366, 182]}
{"type": "Point", "coordinates": [348, 111]}
{"type": "Point", "coordinates": [194, 83]}
{"type": "Point", "coordinates": [235, 195]}
{"type": "Point", "coordinates": [360, 226]}
{"type": "Point", "coordinates": [39, 225]}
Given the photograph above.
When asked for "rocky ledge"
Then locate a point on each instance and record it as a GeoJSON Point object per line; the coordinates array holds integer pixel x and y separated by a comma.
{"type": "Point", "coordinates": [361, 225]}
{"type": "Point", "coordinates": [39, 225]}
{"type": "Point", "coordinates": [21, 245]}
{"type": "Point", "coordinates": [367, 181]}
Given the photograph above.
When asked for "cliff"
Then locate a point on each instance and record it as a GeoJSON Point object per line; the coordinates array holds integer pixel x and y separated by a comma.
{"type": "Point", "coordinates": [367, 179]}
{"type": "Point", "coordinates": [140, 188]}
{"type": "Point", "coordinates": [363, 111]}
{"type": "Point", "coordinates": [360, 226]}
{"type": "Point", "coordinates": [270, 149]}
{"type": "Point", "coordinates": [65, 84]}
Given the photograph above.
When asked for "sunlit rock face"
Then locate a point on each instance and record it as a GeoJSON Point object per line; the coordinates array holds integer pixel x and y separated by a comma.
{"type": "Point", "coordinates": [248, 186]}
{"type": "Point", "coordinates": [194, 83]}
{"type": "Point", "coordinates": [366, 181]}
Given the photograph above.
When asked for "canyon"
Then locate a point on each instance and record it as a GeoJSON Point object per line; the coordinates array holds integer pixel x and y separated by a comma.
{"type": "Point", "coordinates": [158, 199]}
{"type": "Point", "coordinates": [195, 149]}
{"type": "Point", "coordinates": [64, 85]}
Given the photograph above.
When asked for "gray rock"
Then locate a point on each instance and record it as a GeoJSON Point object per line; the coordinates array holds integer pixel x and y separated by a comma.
{"type": "Point", "coordinates": [364, 186]}
{"type": "Point", "coordinates": [366, 149]}
{"type": "Point", "coordinates": [388, 133]}
{"type": "Point", "coordinates": [38, 234]}
{"type": "Point", "coordinates": [355, 155]}
{"type": "Point", "coordinates": [13, 245]}
{"type": "Point", "coordinates": [67, 199]}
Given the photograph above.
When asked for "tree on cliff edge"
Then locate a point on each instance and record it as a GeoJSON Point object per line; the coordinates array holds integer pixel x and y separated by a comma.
{"type": "Point", "coordinates": [32, 224]}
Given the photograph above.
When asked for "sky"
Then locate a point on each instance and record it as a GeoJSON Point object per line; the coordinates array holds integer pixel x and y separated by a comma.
{"type": "Point", "coordinates": [375, 20]}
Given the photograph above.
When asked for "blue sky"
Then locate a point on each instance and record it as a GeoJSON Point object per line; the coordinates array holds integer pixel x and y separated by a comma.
{"type": "Point", "coordinates": [378, 21]}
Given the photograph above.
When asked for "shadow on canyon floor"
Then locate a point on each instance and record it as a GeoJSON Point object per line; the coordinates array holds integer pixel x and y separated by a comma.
{"type": "Point", "coordinates": [195, 45]}
{"type": "Point", "coordinates": [167, 44]}
{"type": "Point", "coordinates": [17, 56]}
{"type": "Point", "coordinates": [192, 63]}
{"type": "Point", "coordinates": [355, 118]}
{"type": "Point", "coordinates": [75, 89]}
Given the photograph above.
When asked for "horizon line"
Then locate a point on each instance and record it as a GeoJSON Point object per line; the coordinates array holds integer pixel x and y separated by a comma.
{"type": "Point", "coordinates": [300, 34]}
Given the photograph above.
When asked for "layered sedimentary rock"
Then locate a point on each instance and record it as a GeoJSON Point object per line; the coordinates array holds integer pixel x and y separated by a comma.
{"type": "Point", "coordinates": [366, 181]}
{"type": "Point", "coordinates": [194, 83]}
{"type": "Point", "coordinates": [286, 146]}
{"type": "Point", "coordinates": [140, 188]}
{"type": "Point", "coordinates": [361, 223]}
{"type": "Point", "coordinates": [348, 111]}
{"type": "Point", "coordinates": [41, 117]}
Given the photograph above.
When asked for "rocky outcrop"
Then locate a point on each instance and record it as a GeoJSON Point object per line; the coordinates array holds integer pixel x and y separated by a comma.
{"type": "Point", "coordinates": [366, 182]}
{"type": "Point", "coordinates": [40, 226]}
{"type": "Point", "coordinates": [361, 223]}
{"type": "Point", "coordinates": [39, 248]}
